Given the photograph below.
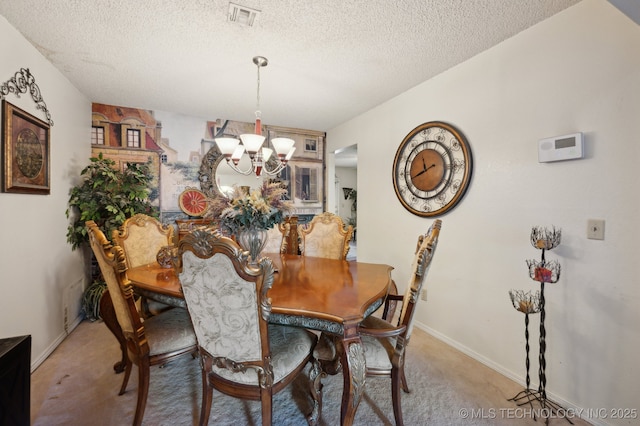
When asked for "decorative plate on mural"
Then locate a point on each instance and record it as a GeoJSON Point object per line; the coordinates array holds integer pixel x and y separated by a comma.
{"type": "Point", "coordinates": [193, 202]}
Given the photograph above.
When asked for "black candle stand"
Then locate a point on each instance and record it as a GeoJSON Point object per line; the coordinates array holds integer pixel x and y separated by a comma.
{"type": "Point", "coordinates": [542, 271]}
{"type": "Point", "coordinates": [527, 303]}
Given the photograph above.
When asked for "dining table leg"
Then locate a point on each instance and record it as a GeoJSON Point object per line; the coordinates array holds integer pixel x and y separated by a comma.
{"type": "Point", "coordinates": [353, 372]}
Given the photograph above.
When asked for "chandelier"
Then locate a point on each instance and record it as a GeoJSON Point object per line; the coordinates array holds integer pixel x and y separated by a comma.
{"type": "Point", "coordinates": [233, 149]}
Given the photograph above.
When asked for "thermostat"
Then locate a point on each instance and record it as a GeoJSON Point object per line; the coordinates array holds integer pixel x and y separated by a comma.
{"type": "Point", "coordinates": [567, 147]}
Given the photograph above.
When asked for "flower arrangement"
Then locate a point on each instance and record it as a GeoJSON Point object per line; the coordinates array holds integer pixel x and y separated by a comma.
{"type": "Point", "coordinates": [242, 209]}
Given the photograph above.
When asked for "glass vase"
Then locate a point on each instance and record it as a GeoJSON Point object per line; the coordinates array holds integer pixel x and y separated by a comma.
{"type": "Point", "coordinates": [253, 240]}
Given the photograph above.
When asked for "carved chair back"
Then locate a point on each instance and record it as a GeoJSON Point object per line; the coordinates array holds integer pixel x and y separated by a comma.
{"type": "Point", "coordinates": [141, 237]}
{"type": "Point", "coordinates": [278, 238]}
{"type": "Point", "coordinates": [113, 267]}
{"type": "Point", "coordinates": [226, 299]}
{"type": "Point", "coordinates": [425, 249]}
{"type": "Point", "coordinates": [325, 236]}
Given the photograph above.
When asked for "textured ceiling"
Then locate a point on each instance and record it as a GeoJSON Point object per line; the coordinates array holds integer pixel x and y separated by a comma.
{"type": "Point", "coordinates": [329, 60]}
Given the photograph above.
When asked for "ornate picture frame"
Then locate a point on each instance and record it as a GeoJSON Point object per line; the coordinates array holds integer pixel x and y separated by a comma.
{"type": "Point", "coordinates": [26, 152]}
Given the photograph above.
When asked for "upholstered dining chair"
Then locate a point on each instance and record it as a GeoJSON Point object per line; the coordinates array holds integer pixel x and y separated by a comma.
{"type": "Point", "coordinates": [278, 238]}
{"type": "Point", "coordinates": [240, 353]}
{"type": "Point", "coordinates": [141, 237]}
{"type": "Point", "coordinates": [154, 341]}
{"type": "Point", "coordinates": [385, 343]}
{"type": "Point", "coordinates": [325, 236]}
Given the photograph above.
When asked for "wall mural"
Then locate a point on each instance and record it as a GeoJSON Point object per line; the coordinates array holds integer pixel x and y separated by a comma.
{"type": "Point", "coordinates": [175, 145]}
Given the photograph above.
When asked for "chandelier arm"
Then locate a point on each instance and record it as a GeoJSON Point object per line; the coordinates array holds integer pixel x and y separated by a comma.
{"type": "Point", "coordinates": [278, 169]}
{"type": "Point", "coordinates": [237, 169]}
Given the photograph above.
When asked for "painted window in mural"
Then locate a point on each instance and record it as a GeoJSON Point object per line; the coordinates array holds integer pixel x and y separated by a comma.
{"type": "Point", "coordinates": [97, 135]}
{"type": "Point", "coordinates": [306, 187]}
{"type": "Point", "coordinates": [311, 145]}
{"type": "Point", "coordinates": [133, 138]}
{"type": "Point", "coordinates": [285, 178]}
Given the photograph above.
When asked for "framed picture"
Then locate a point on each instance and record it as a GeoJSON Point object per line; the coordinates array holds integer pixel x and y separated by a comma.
{"type": "Point", "coordinates": [26, 145]}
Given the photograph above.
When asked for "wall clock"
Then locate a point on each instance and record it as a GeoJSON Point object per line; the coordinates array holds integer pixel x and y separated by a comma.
{"type": "Point", "coordinates": [432, 169]}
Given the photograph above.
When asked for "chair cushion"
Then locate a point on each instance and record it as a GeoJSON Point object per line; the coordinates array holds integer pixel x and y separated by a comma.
{"type": "Point", "coordinates": [169, 331]}
{"type": "Point", "coordinates": [378, 351]}
{"type": "Point", "coordinates": [289, 348]}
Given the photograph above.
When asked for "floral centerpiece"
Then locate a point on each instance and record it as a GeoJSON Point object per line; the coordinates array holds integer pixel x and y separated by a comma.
{"type": "Point", "coordinates": [247, 215]}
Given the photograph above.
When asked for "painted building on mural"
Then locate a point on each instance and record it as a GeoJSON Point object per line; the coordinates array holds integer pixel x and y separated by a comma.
{"type": "Point", "coordinates": [175, 146]}
{"type": "Point", "coordinates": [127, 135]}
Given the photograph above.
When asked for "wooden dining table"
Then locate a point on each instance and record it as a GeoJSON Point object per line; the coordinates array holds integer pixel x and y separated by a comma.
{"type": "Point", "coordinates": [327, 295]}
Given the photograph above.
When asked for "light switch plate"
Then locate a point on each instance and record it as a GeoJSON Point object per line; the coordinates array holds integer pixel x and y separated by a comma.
{"type": "Point", "coordinates": [595, 229]}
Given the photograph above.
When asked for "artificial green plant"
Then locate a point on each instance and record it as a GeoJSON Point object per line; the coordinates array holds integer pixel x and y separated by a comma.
{"type": "Point", "coordinates": [108, 196]}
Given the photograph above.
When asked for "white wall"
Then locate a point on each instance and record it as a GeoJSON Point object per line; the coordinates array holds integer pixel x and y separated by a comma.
{"type": "Point", "coordinates": [40, 274]}
{"type": "Point", "coordinates": [576, 72]}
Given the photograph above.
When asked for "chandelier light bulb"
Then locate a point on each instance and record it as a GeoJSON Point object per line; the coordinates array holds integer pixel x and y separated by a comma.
{"type": "Point", "coordinates": [237, 154]}
{"type": "Point", "coordinates": [252, 142]}
{"type": "Point", "coordinates": [266, 153]}
{"type": "Point", "coordinates": [289, 155]}
{"type": "Point", "coordinates": [227, 146]}
{"type": "Point", "coordinates": [282, 146]}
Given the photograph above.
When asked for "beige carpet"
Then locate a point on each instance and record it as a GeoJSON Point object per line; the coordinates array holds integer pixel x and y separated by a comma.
{"type": "Point", "coordinates": [76, 385]}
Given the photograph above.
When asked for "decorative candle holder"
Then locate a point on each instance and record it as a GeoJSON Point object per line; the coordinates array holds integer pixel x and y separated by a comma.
{"type": "Point", "coordinates": [542, 271]}
{"type": "Point", "coordinates": [527, 303]}
{"type": "Point", "coordinates": [545, 238]}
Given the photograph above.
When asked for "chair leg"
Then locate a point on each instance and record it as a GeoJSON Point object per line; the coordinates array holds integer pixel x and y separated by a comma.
{"type": "Point", "coordinates": [143, 390]}
{"type": "Point", "coordinates": [405, 386]}
{"type": "Point", "coordinates": [395, 395]}
{"type": "Point", "coordinates": [266, 398]}
{"type": "Point", "coordinates": [127, 374]}
{"type": "Point", "coordinates": [315, 376]}
{"type": "Point", "coordinates": [207, 396]}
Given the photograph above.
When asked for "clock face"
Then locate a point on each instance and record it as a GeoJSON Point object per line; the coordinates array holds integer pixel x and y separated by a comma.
{"type": "Point", "coordinates": [432, 169]}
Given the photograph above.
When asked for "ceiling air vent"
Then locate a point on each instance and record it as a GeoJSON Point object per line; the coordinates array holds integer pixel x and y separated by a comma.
{"type": "Point", "coordinates": [242, 15]}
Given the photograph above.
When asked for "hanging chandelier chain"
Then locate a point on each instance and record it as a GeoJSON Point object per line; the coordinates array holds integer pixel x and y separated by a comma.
{"type": "Point", "coordinates": [260, 62]}
{"type": "Point", "coordinates": [258, 91]}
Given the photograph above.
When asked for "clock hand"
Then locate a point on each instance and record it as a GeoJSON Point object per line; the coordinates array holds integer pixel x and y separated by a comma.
{"type": "Point", "coordinates": [419, 173]}
{"type": "Point", "coordinates": [422, 171]}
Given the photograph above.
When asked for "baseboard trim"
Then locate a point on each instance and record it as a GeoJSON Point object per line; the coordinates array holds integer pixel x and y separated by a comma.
{"type": "Point", "coordinates": [52, 347]}
{"type": "Point", "coordinates": [567, 405]}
